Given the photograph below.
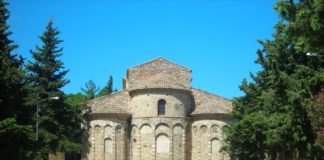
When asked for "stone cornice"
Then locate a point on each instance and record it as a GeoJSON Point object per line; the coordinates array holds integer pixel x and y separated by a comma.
{"type": "Point", "coordinates": [145, 90]}
{"type": "Point", "coordinates": [211, 116]}
{"type": "Point", "coordinates": [110, 115]}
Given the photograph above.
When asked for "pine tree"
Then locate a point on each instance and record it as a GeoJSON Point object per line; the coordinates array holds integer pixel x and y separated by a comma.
{"type": "Point", "coordinates": [108, 89]}
{"type": "Point", "coordinates": [14, 114]}
{"type": "Point", "coordinates": [90, 90]}
{"type": "Point", "coordinates": [58, 120]}
{"type": "Point", "coordinates": [272, 119]}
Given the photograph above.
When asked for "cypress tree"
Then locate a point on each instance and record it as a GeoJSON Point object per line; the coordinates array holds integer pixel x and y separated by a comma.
{"type": "Point", "coordinates": [14, 114]}
{"type": "Point", "coordinates": [273, 118]}
{"type": "Point", "coordinates": [108, 89]}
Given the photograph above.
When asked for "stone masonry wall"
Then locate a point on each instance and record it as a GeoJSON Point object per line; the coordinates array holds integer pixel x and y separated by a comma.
{"type": "Point", "coordinates": [145, 103]}
{"type": "Point", "coordinates": [156, 138]}
{"type": "Point", "coordinates": [159, 139]}
{"type": "Point", "coordinates": [108, 139]}
{"type": "Point", "coordinates": [207, 139]}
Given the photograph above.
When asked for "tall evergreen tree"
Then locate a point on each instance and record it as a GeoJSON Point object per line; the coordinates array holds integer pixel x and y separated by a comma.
{"type": "Point", "coordinates": [57, 121]}
{"type": "Point", "coordinates": [14, 114]}
{"type": "Point", "coordinates": [108, 89]}
{"type": "Point", "coordinates": [272, 119]}
{"type": "Point", "coordinates": [90, 90]}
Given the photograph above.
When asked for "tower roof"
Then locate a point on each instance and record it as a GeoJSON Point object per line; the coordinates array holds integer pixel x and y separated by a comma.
{"type": "Point", "coordinates": [161, 61]}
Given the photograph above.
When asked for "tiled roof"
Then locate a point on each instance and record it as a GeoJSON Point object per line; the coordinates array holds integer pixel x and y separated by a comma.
{"type": "Point", "coordinates": [207, 103]}
{"type": "Point", "coordinates": [113, 103]}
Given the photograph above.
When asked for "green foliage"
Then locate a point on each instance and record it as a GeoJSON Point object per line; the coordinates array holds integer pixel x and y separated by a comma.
{"type": "Point", "coordinates": [15, 129]}
{"type": "Point", "coordinates": [59, 122]}
{"type": "Point", "coordinates": [108, 89]}
{"type": "Point", "coordinates": [273, 118]}
{"type": "Point", "coordinates": [316, 112]}
{"type": "Point", "coordinates": [77, 102]}
{"type": "Point", "coordinates": [251, 127]}
{"type": "Point", "coordinates": [75, 99]}
{"type": "Point", "coordinates": [90, 90]}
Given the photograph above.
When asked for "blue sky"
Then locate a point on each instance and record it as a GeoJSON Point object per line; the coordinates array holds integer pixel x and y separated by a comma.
{"type": "Point", "coordinates": [216, 39]}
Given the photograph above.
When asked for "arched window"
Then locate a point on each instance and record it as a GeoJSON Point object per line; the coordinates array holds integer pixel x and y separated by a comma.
{"type": "Point", "coordinates": [161, 107]}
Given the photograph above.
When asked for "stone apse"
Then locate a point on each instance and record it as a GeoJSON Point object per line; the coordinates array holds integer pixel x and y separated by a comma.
{"type": "Point", "coordinates": [157, 116]}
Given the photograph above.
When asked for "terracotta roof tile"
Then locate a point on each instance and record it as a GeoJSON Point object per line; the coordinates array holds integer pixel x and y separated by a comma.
{"type": "Point", "coordinates": [209, 103]}
{"type": "Point", "coordinates": [113, 103]}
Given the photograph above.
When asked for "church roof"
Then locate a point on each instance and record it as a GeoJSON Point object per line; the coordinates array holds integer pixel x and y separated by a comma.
{"type": "Point", "coordinates": [161, 62]}
{"type": "Point", "coordinates": [114, 103]}
{"type": "Point", "coordinates": [207, 103]}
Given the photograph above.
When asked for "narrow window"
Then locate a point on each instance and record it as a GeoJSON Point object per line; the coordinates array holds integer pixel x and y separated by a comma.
{"type": "Point", "coordinates": [161, 107]}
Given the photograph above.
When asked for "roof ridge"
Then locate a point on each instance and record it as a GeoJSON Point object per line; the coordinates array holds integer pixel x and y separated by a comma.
{"type": "Point", "coordinates": [159, 58]}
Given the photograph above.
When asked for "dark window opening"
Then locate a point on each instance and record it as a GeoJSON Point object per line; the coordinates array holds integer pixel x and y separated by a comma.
{"type": "Point", "coordinates": [161, 107]}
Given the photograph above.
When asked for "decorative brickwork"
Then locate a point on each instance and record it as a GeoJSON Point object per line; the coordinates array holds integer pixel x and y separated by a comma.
{"type": "Point", "coordinates": [126, 125]}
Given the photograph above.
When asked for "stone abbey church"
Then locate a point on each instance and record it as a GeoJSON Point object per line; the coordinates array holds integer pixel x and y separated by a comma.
{"type": "Point", "coordinates": [157, 116]}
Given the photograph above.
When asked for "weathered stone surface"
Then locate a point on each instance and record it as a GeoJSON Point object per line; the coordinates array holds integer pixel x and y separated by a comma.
{"type": "Point", "coordinates": [158, 73]}
{"type": "Point", "coordinates": [126, 125]}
